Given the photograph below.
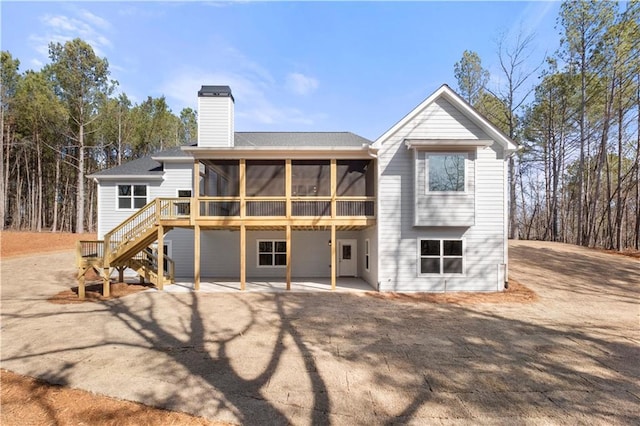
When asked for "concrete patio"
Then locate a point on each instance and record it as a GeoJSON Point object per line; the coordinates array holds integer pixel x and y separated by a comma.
{"type": "Point", "coordinates": [269, 285]}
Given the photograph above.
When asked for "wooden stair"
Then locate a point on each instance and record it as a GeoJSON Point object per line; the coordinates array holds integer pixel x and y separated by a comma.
{"type": "Point", "coordinates": [126, 246]}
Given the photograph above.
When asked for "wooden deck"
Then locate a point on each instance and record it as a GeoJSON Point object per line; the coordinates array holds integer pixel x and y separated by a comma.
{"type": "Point", "coordinates": [127, 245]}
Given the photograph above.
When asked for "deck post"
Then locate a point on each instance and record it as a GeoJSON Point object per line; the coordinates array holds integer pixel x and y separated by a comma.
{"type": "Point", "coordinates": [81, 291]}
{"type": "Point", "coordinates": [106, 270]}
{"type": "Point", "coordinates": [243, 257]}
{"type": "Point", "coordinates": [288, 242]}
{"type": "Point", "coordinates": [121, 274]}
{"type": "Point", "coordinates": [106, 282]}
{"type": "Point", "coordinates": [333, 256]}
{"type": "Point", "coordinates": [334, 185]}
{"type": "Point", "coordinates": [243, 186]}
{"type": "Point", "coordinates": [287, 187]}
{"type": "Point", "coordinates": [160, 269]}
{"type": "Point", "coordinates": [196, 257]}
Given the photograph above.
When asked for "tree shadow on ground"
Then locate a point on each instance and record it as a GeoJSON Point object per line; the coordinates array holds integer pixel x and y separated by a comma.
{"type": "Point", "coordinates": [318, 358]}
{"type": "Point", "coordinates": [338, 358]}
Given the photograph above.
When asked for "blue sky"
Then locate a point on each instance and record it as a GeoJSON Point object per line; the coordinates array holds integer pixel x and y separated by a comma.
{"type": "Point", "coordinates": [292, 66]}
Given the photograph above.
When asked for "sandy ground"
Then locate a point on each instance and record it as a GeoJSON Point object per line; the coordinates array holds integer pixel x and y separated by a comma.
{"type": "Point", "coordinates": [565, 351]}
{"type": "Point", "coordinates": [28, 401]}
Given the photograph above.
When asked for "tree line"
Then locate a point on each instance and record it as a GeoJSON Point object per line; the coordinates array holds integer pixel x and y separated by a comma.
{"type": "Point", "coordinates": [66, 121]}
{"type": "Point", "coordinates": [576, 176]}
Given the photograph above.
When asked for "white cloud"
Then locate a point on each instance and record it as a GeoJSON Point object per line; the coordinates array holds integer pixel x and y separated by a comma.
{"type": "Point", "coordinates": [62, 28]}
{"type": "Point", "coordinates": [259, 98]}
{"type": "Point", "coordinates": [300, 84]}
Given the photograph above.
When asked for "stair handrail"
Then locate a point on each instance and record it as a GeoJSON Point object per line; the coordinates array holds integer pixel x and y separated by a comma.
{"type": "Point", "coordinates": [139, 222]}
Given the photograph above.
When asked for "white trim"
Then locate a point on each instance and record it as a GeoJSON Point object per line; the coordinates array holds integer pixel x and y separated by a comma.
{"type": "Point", "coordinates": [99, 209]}
{"type": "Point", "coordinates": [446, 193]}
{"type": "Point", "coordinates": [132, 208]}
{"type": "Point", "coordinates": [273, 253]}
{"type": "Point", "coordinates": [161, 159]}
{"type": "Point", "coordinates": [126, 177]}
{"type": "Point", "coordinates": [441, 257]}
{"type": "Point", "coordinates": [445, 92]}
{"type": "Point", "coordinates": [431, 144]}
{"type": "Point", "coordinates": [505, 217]}
{"type": "Point", "coordinates": [276, 152]}
{"type": "Point", "coordinates": [367, 255]}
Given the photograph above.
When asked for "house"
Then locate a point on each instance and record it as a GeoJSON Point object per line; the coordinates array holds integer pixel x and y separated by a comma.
{"type": "Point", "coordinates": [422, 208]}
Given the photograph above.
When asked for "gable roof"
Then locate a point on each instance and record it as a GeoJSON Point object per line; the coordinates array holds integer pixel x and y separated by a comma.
{"type": "Point", "coordinates": [143, 167]}
{"type": "Point", "coordinates": [464, 107]}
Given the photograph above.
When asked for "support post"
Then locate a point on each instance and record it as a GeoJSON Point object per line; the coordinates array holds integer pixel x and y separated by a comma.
{"type": "Point", "coordinates": [121, 274]}
{"type": "Point", "coordinates": [243, 187]}
{"type": "Point", "coordinates": [81, 292]}
{"type": "Point", "coordinates": [334, 186]}
{"type": "Point", "coordinates": [333, 256]}
{"type": "Point", "coordinates": [243, 257]}
{"type": "Point", "coordinates": [288, 242]}
{"type": "Point", "coordinates": [106, 282]}
{"type": "Point", "coordinates": [287, 188]}
{"type": "Point", "coordinates": [196, 257]}
{"type": "Point", "coordinates": [106, 270]}
{"type": "Point", "coordinates": [160, 270]}
{"type": "Point", "coordinates": [195, 201]}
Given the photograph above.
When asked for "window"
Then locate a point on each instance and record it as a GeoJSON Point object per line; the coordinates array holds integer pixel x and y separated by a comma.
{"type": "Point", "coordinates": [132, 196]}
{"type": "Point", "coordinates": [446, 172]}
{"type": "Point", "coordinates": [272, 253]}
{"type": "Point", "coordinates": [441, 256]}
{"type": "Point", "coordinates": [366, 254]}
{"type": "Point", "coordinates": [183, 207]}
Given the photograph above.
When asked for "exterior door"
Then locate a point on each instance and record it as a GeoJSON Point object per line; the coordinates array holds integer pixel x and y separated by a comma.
{"type": "Point", "coordinates": [347, 258]}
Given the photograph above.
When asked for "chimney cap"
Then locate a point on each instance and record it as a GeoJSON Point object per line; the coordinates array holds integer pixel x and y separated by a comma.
{"type": "Point", "coordinates": [215, 91]}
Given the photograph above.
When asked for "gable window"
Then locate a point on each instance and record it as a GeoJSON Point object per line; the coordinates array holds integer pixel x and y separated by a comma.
{"type": "Point", "coordinates": [441, 257]}
{"type": "Point", "coordinates": [272, 253]}
{"type": "Point", "coordinates": [446, 172]}
{"type": "Point", "coordinates": [132, 196]}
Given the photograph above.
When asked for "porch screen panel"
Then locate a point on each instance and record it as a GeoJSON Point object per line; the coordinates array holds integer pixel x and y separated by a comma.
{"type": "Point", "coordinates": [355, 178]}
{"type": "Point", "coordinates": [265, 178]}
{"type": "Point", "coordinates": [222, 178]}
{"type": "Point", "coordinates": [310, 178]}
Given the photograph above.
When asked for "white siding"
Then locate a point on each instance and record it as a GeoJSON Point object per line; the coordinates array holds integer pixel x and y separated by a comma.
{"type": "Point", "coordinates": [444, 209]}
{"type": "Point", "coordinates": [109, 216]}
{"type": "Point", "coordinates": [215, 121]}
{"type": "Point", "coordinates": [484, 241]}
{"type": "Point", "coordinates": [176, 176]}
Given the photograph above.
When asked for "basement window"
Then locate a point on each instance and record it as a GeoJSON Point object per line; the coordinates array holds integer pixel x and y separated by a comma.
{"type": "Point", "coordinates": [132, 196]}
{"type": "Point", "coordinates": [441, 257]}
{"type": "Point", "coordinates": [272, 253]}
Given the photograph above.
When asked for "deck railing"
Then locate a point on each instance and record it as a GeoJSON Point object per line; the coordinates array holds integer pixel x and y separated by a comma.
{"type": "Point", "coordinates": [277, 206]}
{"type": "Point", "coordinates": [90, 249]}
{"type": "Point", "coordinates": [175, 208]}
{"type": "Point", "coordinates": [141, 221]}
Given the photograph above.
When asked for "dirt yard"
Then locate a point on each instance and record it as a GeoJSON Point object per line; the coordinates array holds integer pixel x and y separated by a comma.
{"type": "Point", "coordinates": [29, 401]}
{"type": "Point", "coordinates": [25, 400]}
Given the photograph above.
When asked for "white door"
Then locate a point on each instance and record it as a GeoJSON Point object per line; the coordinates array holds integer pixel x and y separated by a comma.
{"type": "Point", "coordinates": [347, 258]}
